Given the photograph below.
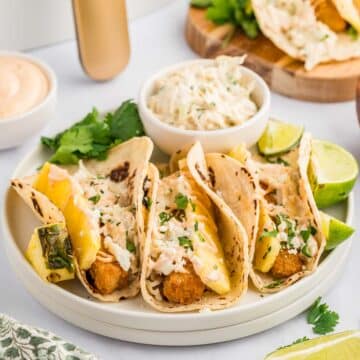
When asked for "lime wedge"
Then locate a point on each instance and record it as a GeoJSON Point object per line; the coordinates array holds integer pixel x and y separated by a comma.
{"type": "Point", "coordinates": [345, 345]}
{"type": "Point", "coordinates": [332, 173]}
{"type": "Point", "coordinates": [279, 137]}
{"type": "Point", "coordinates": [334, 230]}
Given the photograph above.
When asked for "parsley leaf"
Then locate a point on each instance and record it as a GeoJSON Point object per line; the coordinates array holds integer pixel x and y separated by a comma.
{"type": "Point", "coordinates": [92, 137]}
{"type": "Point", "coordinates": [201, 3]}
{"type": "Point", "coordinates": [323, 319]}
{"type": "Point", "coordinates": [95, 199]}
{"type": "Point", "coordinates": [147, 202]}
{"type": "Point", "coordinates": [266, 233]}
{"type": "Point", "coordinates": [181, 201]}
{"type": "Point", "coordinates": [185, 242]}
{"type": "Point", "coordinates": [130, 246]}
{"type": "Point", "coordinates": [240, 13]}
{"type": "Point", "coordinates": [164, 217]}
{"type": "Point", "coordinates": [274, 284]}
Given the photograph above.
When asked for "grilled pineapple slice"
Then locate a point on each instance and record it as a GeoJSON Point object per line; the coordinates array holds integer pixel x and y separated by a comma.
{"type": "Point", "coordinates": [206, 243]}
{"type": "Point", "coordinates": [59, 187]}
{"type": "Point", "coordinates": [267, 248]}
{"type": "Point", "coordinates": [49, 252]}
{"type": "Point", "coordinates": [327, 13]}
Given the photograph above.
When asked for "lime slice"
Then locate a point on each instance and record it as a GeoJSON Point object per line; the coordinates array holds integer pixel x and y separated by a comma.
{"type": "Point", "coordinates": [279, 137]}
{"type": "Point", "coordinates": [334, 230]}
{"type": "Point", "coordinates": [345, 345]}
{"type": "Point", "coordinates": [332, 173]}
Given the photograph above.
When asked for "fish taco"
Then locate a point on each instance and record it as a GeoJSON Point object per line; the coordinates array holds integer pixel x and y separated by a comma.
{"type": "Point", "coordinates": [313, 31]}
{"type": "Point", "coordinates": [105, 206]}
{"type": "Point", "coordinates": [196, 254]}
{"type": "Point", "coordinates": [288, 239]}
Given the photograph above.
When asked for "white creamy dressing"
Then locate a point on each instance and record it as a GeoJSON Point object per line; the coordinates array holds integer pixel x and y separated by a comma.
{"type": "Point", "coordinates": [167, 254]}
{"type": "Point", "coordinates": [287, 204]}
{"type": "Point", "coordinates": [23, 85]}
{"type": "Point", "coordinates": [204, 97]}
{"type": "Point", "coordinates": [294, 28]}
{"type": "Point", "coordinates": [117, 224]}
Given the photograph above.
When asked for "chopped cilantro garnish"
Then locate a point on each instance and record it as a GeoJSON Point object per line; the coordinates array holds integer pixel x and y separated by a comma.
{"type": "Point", "coordinates": [322, 318]}
{"type": "Point", "coordinates": [201, 237]}
{"type": "Point", "coordinates": [92, 137]}
{"type": "Point", "coordinates": [164, 217]}
{"type": "Point", "coordinates": [274, 284]}
{"type": "Point", "coordinates": [147, 202]}
{"type": "Point", "coordinates": [185, 242]}
{"type": "Point", "coordinates": [306, 251]}
{"type": "Point", "coordinates": [193, 205]}
{"type": "Point", "coordinates": [95, 199]}
{"type": "Point", "coordinates": [305, 234]}
{"type": "Point", "coordinates": [266, 233]}
{"type": "Point", "coordinates": [196, 226]}
{"type": "Point", "coordinates": [130, 246]}
{"type": "Point", "coordinates": [181, 201]}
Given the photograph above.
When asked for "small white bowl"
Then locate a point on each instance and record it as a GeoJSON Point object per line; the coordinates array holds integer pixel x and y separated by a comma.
{"type": "Point", "coordinates": [17, 129]}
{"type": "Point", "coordinates": [170, 138]}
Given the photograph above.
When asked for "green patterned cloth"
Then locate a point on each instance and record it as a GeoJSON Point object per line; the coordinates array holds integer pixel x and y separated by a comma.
{"type": "Point", "coordinates": [19, 341]}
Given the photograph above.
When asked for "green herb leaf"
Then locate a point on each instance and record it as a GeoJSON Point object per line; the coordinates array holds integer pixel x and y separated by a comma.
{"type": "Point", "coordinates": [181, 201]}
{"type": "Point", "coordinates": [164, 217]}
{"type": "Point", "coordinates": [125, 123]}
{"type": "Point", "coordinates": [274, 284]}
{"type": "Point", "coordinates": [322, 318]}
{"type": "Point", "coordinates": [237, 12]}
{"type": "Point", "coordinates": [130, 246]}
{"type": "Point", "coordinates": [185, 242]}
{"type": "Point", "coordinates": [95, 199]}
{"type": "Point", "coordinates": [147, 202]}
{"type": "Point", "coordinates": [196, 226]}
{"type": "Point", "coordinates": [266, 233]}
{"type": "Point", "coordinates": [92, 137]}
{"type": "Point", "coordinates": [352, 32]}
{"type": "Point", "coordinates": [306, 251]}
{"type": "Point", "coordinates": [305, 234]}
{"type": "Point", "coordinates": [201, 3]}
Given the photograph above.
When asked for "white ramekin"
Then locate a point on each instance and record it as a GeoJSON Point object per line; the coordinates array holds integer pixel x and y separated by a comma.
{"type": "Point", "coordinates": [170, 139]}
{"type": "Point", "coordinates": [17, 129]}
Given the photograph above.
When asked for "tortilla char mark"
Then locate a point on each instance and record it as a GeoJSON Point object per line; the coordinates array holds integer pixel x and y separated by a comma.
{"type": "Point", "coordinates": [36, 204]}
{"type": "Point", "coordinates": [120, 173]}
{"type": "Point", "coordinates": [212, 176]}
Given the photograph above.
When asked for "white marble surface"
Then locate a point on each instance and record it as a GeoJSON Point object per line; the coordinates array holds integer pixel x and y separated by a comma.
{"type": "Point", "coordinates": [157, 40]}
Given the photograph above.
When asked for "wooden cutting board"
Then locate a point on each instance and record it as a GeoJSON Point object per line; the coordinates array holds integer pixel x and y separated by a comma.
{"type": "Point", "coordinates": [331, 82]}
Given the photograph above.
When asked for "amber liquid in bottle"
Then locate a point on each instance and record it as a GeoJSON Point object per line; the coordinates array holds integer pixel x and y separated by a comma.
{"type": "Point", "coordinates": [102, 35]}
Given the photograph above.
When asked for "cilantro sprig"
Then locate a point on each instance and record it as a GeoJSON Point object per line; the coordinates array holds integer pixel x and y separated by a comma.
{"type": "Point", "coordinates": [92, 137]}
{"type": "Point", "coordinates": [181, 201]}
{"type": "Point", "coordinates": [323, 319]}
{"type": "Point", "coordinates": [238, 12]}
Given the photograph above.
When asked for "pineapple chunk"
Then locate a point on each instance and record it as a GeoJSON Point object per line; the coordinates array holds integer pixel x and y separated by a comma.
{"type": "Point", "coordinates": [59, 187]}
{"type": "Point", "coordinates": [267, 248]}
{"type": "Point", "coordinates": [239, 153]}
{"type": "Point", "coordinates": [211, 267]}
{"type": "Point", "coordinates": [50, 254]}
{"type": "Point", "coordinates": [266, 251]}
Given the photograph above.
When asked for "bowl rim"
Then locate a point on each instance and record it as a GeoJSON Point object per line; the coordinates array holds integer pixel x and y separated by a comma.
{"type": "Point", "coordinates": [53, 85]}
{"type": "Point", "coordinates": [149, 116]}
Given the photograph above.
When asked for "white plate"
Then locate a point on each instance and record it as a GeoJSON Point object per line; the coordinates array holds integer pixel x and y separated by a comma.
{"type": "Point", "coordinates": [135, 314]}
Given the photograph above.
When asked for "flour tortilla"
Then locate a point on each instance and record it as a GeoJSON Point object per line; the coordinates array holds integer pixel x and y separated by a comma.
{"type": "Point", "coordinates": [232, 236]}
{"type": "Point", "coordinates": [135, 154]}
{"type": "Point", "coordinates": [301, 155]}
{"type": "Point", "coordinates": [319, 43]}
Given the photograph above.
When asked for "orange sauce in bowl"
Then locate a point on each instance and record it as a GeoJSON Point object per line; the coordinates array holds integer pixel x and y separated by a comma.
{"type": "Point", "coordinates": [23, 85]}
